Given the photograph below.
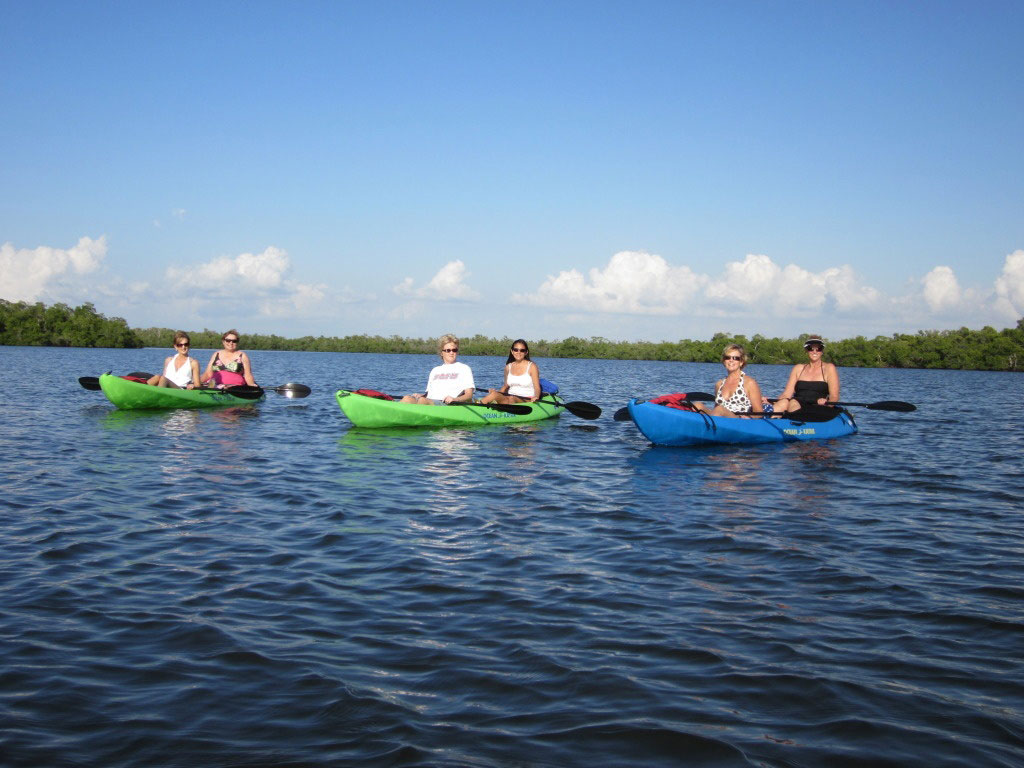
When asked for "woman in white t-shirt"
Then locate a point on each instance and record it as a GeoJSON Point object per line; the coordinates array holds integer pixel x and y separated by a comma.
{"type": "Point", "coordinates": [522, 379]}
{"type": "Point", "coordinates": [449, 382]}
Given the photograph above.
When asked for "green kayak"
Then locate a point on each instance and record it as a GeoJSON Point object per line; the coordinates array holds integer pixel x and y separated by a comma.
{"type": "Point", "coordinates": [128, 394]}
{"type": "Point", "coordinates": [366, 411]}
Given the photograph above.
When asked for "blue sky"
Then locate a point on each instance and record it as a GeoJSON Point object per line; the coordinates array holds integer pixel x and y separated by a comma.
{"type": "Point", "coordinates": [638, 170]}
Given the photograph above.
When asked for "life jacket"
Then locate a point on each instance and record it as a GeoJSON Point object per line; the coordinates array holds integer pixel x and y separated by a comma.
{"type": "Point", "coordinates": [676, 400]}
{"type": "Point", "coordinates": [373, 393]}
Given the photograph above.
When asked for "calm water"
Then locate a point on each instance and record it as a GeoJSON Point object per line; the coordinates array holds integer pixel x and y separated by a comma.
{"type": "Point", "coordinates": [269, 586]}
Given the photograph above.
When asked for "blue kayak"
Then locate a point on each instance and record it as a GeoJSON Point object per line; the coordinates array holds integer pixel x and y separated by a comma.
{"type": "Point", "coordinates": [663, 425]}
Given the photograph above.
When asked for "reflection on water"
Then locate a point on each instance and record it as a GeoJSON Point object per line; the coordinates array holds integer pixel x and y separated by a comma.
{"type": "Point", "coordinates": [181, 423]}
{"type": "Point", "coordinates": [519, 445]}
{"type": "Point", "coordinates": [808, 484]}
{"type": "Point", "coordinates": [117, 419]}
{"type": "Point", "coordinates": [448, 465]}
{"type": "Point", "coordinates": [359, 442]}
{"type": "Point", "coordinates": [735, 477]}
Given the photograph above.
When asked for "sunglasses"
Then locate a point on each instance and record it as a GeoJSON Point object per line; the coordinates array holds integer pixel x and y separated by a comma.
{"type": "Point", "coordinates": [454, 349]}
{"type": "Point", "coordinates": [518, 349]}
{"type": "Point", "coordinates": [183, 346]}
{"type": "Point", "coordinates": [814, 348]}
{"type": "Point", "coordinates": [231, 341]}
{"type": "Point", "coordinates": [737, 358]}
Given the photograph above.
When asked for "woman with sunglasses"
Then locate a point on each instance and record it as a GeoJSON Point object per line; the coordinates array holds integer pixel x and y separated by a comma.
{"type": "Point", "coordinates": [811, 385]}
{"type": "Point", "coordinates": [737, 393]}
{"type": "Point", "coordinates": [449, 382]}
{"type": "Point", "coordinates": [522, 380]}
{"type": "Point", "coordinates": [229, 367]}
{"type": "Point", "coordinates": [180, 371]}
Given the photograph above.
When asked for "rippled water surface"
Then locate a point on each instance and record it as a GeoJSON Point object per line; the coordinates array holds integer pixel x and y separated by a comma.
{"type": "Point", "coordinates": [269, 586]}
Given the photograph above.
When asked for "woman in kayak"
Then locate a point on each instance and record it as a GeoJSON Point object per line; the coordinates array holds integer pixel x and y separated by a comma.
{"type": "Point", "coordinates": [180, 371]}
{"type": "Point", "coordinates": [229, 367]}
{"type": "Point", "coordinates": [812, 385]}
{"type": "Point", "coordinates": [449, 382]}
{"type": "Point", "coordinates": [522, 380]}
{"type": "Point", "coordinates": [736, 393]}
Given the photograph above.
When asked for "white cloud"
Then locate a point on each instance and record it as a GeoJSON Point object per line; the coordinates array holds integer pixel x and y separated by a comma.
{"type": "Point", "coordinates": [757, 281]}
{"type": "Point", "coordinates": [750, 281]}
{"type": "Point", "coordinates": [645, 284]}
{"type": "Point", "coordinates": [232, 274]}
{"type": "Point", "coordinates": [941, 290]}
{"type": "Point", "coordinates": [250, 280]}
{"type": "Point", "coordinates": [1010, 286]}
{"type": "Point", "coordinates": [46, 273]}
{"type": "Point", "coordinates": [448, 283]}
{"type": "Point", "coordinates": [634, 282]}
{"type": "Point", "coordinates": [842, 286]}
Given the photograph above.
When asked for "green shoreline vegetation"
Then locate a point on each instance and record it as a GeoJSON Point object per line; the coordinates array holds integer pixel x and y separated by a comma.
{"type": "Point", "coordinates": [23, 324]}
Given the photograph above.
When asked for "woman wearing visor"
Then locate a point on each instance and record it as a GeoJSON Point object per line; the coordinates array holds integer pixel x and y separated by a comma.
{"type": "Point", "coordinates": [811, 386]}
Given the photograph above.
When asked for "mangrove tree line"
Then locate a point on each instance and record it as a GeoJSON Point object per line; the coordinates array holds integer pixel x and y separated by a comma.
{"type": "Point", "coordinates": [964, 349]}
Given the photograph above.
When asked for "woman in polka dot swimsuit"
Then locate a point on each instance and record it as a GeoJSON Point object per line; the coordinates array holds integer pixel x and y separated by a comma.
{"type": "Point", "coordinates": [737, 392]}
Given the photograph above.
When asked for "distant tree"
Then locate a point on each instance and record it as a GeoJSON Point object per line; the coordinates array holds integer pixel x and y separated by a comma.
{"type": "Point", "coordinates": [985, 349]}
{"type": "Point", "coordinates": [60, 326]}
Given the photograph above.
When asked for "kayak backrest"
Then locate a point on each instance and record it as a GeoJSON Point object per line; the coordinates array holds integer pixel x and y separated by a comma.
{"type": "Point", "coordinates": [548, 387]}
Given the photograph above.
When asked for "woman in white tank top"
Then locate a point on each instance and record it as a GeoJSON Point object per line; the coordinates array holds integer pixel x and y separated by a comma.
{"type": "Point", "coordinates": [522, 380]}
{"type": "Point", "coordinates": [180, 371]}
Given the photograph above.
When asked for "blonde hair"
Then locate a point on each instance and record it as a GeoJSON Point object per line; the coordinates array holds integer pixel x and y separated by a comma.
{"type": "Point", "coordinates": [181, 335]}
{"type": "Point", "coordinates": [448, 338]}
{"type": "Point", "coordinates": [736, 348]}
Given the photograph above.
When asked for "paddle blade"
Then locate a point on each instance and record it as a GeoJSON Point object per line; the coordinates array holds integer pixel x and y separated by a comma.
{"type": "Point", "coordinates": [587, 411]}
{"type": "Point", "coordinates": [892, 405]}
{"type": "Point", "coordinates": [90, 382]}
{"type": "Point", "coordinates": [292, 389]}
{"type": "Point", "coordinates": [700, 397]}
{"type": "Point", "coordinates": [518, 410]}
{"type": "Point", "coordinates": [622, 415]}
{"type": "Point", "coordinates": [245, 392]}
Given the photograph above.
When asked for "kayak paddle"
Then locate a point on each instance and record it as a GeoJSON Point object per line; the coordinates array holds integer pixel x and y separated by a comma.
{"type": "Point", "coordinates": [884, 405]}
{"type": "Point", "coordinates": [881, 405]}
{"type": "Point", "coordinates": [518, 410]}
{"type": "Point", "coordinates": [291, 389]}
{"type": "Point", "coordinates": [579, 408]}
{"type": "Point", "coordinates": [576, 407]}
{"type": "Point", "coordinates": [244, 391]}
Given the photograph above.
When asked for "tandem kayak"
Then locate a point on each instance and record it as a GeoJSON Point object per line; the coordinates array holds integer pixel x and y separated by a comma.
{"type": "Point", "coordinates": [365, 411]}
{"type": "Point", "coordinates": [664, 425]}
{"type": "Point", "coordinates": [128, 394]}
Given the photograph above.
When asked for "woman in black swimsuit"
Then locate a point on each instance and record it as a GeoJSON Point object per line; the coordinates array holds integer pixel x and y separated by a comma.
{"type": "Point", "coordinates": [811, 386]}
